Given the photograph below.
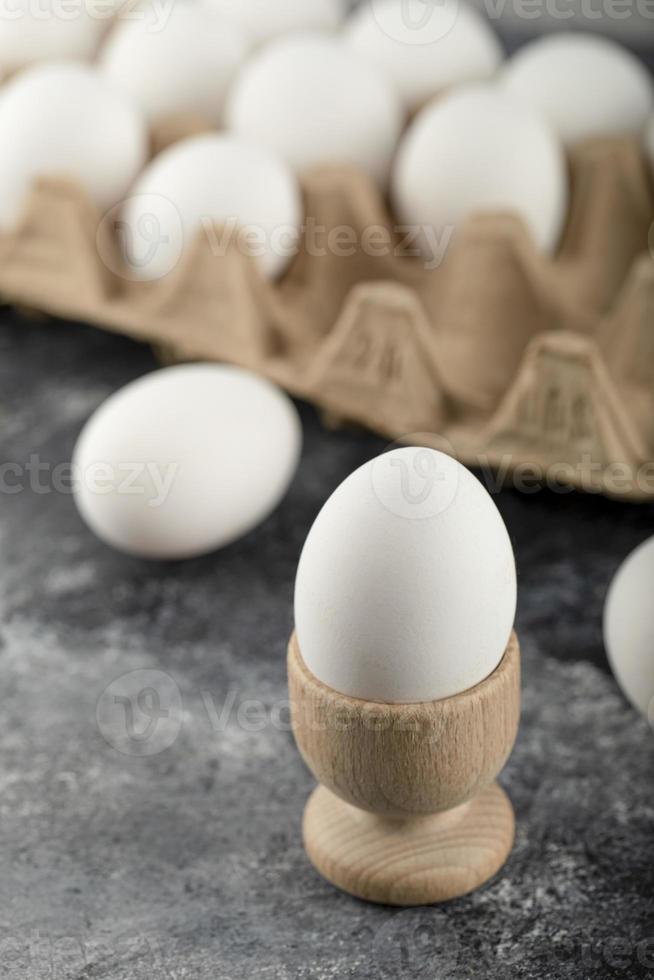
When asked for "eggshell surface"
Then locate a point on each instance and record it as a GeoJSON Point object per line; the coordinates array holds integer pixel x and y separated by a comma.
{"type": "Point", "coordinates": [63, 120]}
{"type": "Point", "coordinates": [474, 152]}
{"type": "Point", "coordinates": [406, 586]}
{"type": "Point", "coordinates": [313, 101]}
{"type": "Point", "coordinates": [185, 460]}
{"type": "Point", "coordinates": [629, 628]}
{"type": "Point", "coordinates": [183, 67]}
{"type": "Point", "coordinates": [585, 85]}
{"type": "Point", "coordinates": [265, 19]}
{"type": "Point", "coordinates": [425, 48]}
{"type": "Point", "coordinates": [31, 32]}
{"type": "Point", "coordinates": [212, 180]}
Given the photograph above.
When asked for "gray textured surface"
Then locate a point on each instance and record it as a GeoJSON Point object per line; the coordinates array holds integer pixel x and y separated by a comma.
{"type": "Point", "coordinates": [188, 863]}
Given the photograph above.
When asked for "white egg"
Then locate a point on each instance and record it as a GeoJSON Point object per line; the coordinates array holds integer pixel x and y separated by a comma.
{"type": "Point", "coordinates": [406, 587]}
{"type": "Point", "coordinates": [265, 19]}
{"type": "Point", "coordinates": [425, 48]}
{"type": "Point", "coordinates": [314, 101]}
{"type": "Point", "coordinates": [63, 120]}
{"type": "Point", "coordinates": [204, 182]}
{"type": "Point", "coordinates": [31, 32]}
{"type": "Point", "coordinates": [585, 85]}
{"type": "Point", "coordinates": [629, 628]}
{"type": "Point", "coordinates": [183, 67]}
{"type": "Point", "coordinates": [185, 460]}
{"type": "Point", "coordinates": [473, 152]}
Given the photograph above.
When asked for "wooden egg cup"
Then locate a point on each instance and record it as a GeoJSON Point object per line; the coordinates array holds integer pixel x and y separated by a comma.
{"type": "Point", "coordinates": [408, 811]}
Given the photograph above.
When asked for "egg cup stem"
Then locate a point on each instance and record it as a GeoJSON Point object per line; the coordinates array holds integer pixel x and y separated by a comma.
{"type": "Point", "coordinates": [408, 811]}
{"type": "Point", "coordinates": [409, 862]}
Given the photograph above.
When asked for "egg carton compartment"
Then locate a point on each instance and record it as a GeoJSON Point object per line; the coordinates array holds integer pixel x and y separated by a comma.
{"type": "Point", "coordinates": [528, 365]}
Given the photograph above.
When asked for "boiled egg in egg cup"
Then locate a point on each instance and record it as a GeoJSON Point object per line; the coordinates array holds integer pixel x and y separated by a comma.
{"type": "Point", "coordinates": [404, 678]}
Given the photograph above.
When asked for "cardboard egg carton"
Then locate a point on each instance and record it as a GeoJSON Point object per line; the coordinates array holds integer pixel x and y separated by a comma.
{"type": "Point", "coordinates": [539, 369]}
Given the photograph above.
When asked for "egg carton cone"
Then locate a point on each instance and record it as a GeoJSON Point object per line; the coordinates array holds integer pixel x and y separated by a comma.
{"type": "Point", "coordinates": [538, 369]}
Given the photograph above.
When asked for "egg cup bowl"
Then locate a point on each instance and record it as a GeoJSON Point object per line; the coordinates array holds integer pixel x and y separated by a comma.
{"type": "Point", "coordinates": [408, 811]}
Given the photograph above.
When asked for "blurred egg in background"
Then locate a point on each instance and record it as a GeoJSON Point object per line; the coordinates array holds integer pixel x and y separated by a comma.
{"type": "Point", "coordinates": [425, 50]}
{"type": "Point", "coordinates": [314, 101]}
{"type": "Point", "coordinates": [185, 460]}
{"type": "Point", "coordinates": [475, 152]}
{"type": "Point", "coordinates": [31, 32]}
{"type": "Point", "coordinates": [204, 182]}
{"type": "Point", "coordinates": [64, 120]}
{"type": "Point", "coordinates": [585, 86]}
{"type": "Point", "coordinates": [183, 67]}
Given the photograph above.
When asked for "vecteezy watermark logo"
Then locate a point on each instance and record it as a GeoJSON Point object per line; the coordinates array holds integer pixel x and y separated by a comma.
{"type": "Point", "coordinates": [152, 480]}
{"type": "Point", "coordinates": [155, 14]}
{"type": "Point", "coordinates": [141, 713]}
{"type": "Point", "coordinates": [413, 481]}
{"type": "Point", "coordinates": [142, 237]}
{"type": "Point", "coordinates": [415, 21]}
{"type": "Point", "coordinates": [416, 943]}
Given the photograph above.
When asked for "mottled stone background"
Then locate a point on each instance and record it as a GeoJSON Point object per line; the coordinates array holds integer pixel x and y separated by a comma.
{"type": "Point", "coordinates": [187, 864]}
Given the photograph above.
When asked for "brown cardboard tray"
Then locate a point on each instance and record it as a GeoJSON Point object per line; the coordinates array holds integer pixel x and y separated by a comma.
{"type": "Point", "coordinates": [539, 369]}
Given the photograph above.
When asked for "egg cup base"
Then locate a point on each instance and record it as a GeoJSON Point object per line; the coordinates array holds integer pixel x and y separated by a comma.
{"type": "Point", "coordinates": [407, 863]}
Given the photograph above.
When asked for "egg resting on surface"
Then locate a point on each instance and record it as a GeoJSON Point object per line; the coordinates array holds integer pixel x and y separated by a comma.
{"type": "Point", "coordinates": [314, 101]}
{"type": "Point", "coordinates": [629, 628]}
{"type": "Point", "coordinates": [585, 85]}
{"type": "Point", "coordinates": [265, 19]}
{"type": "Point", "coordinates": [185, 460]}
{"type": "Point", "coordinates": [205, 181]}
{"type": "Point", "coordinates": [64, 120]}
{"type": "Point", "coordinates": [474, 152]}
{"type": "Point", "coordinates": [183, 67]}
{"type": "Point", "coordinates": [429, 53]}
{"type": "Point", "coordinates": [406, 586]}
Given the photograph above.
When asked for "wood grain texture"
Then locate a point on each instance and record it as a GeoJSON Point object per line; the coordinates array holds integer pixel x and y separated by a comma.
{"type": "Point", "coordinates": [404, 761]}
{"type": "Point", "coordinates": [411, 862]}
